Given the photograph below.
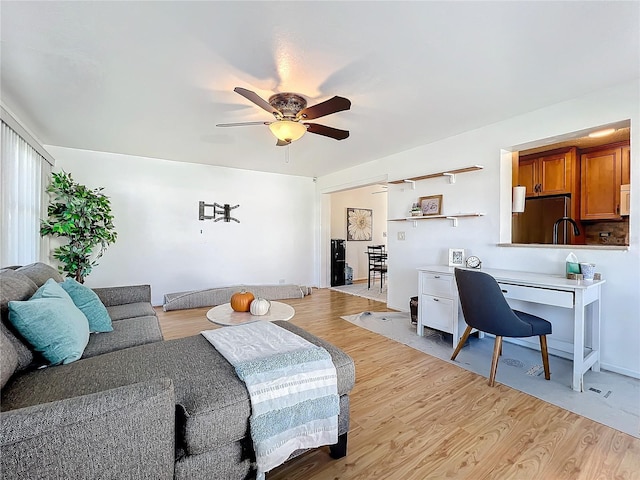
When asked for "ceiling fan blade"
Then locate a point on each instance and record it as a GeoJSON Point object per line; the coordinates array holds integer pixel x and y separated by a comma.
{"type": "Point", "coordinates": [241, 124]}
{"type": "Point", "coordinates": [282, 143]}
{"type": "Point", "coordinates": [255, 98]}
{"type": "Point", "coordinates": [327, 131]}
{"type": "Point", "coordinates": [333, 105]}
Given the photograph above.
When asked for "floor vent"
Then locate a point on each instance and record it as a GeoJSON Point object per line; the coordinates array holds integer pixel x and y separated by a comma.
{"type": "Point", "coordinates": [536, 371]}
{"type": "Point", "coordinates": [600, 392]}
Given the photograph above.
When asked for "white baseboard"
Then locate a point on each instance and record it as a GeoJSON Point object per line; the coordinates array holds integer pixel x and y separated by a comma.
{"type": "Point", "coordinates": [622, 371]}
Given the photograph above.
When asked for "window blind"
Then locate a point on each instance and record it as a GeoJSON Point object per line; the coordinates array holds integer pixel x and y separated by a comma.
{"type": "Point", "coordinates": [23, 176]}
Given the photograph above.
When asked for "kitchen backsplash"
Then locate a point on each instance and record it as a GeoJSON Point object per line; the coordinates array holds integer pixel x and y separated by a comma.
{"type": "Point", "coordinates": [607, 233]}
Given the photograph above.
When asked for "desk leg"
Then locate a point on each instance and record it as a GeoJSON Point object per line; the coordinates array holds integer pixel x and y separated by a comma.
{"type": "Point", "coordinates": [594, 316]}
{"type": "Point", "coordinates": [578, 341]}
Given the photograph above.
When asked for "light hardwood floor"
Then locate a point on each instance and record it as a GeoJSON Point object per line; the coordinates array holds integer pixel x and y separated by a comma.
{"type": "Point", "coordinates": [414, 416]}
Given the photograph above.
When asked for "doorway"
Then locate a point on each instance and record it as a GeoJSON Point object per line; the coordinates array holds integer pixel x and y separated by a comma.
{"type": "Point", "coordinates": [370, 198]}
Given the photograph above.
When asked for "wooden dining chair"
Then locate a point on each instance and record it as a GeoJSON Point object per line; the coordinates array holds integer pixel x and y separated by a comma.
{"type": "Point", "coordinates": [485, 309]}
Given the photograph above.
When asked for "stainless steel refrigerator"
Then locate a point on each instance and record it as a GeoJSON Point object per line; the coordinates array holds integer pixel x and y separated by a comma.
{"type": "Point", "coordinates": [535, 224]}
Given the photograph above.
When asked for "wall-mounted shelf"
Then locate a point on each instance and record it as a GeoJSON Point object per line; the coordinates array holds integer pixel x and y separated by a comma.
{"type": "Point", "coordinates": [449, 173]}
{"type": "Point", "coordinates": [453, 218]}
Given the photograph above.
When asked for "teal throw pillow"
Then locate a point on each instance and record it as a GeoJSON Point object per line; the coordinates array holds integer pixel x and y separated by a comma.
{"type": "Point", "coordinates": [51, 323]}
{"type": "Point", "coordinates": [89, 303]}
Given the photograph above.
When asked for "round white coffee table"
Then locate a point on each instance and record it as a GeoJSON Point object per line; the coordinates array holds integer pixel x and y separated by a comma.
{"type": "Point", "coordinates": [225, 315]}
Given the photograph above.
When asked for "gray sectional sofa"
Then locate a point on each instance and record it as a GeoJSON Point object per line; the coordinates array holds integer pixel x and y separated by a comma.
{"type": "Point", "coordinates": [134, 405]}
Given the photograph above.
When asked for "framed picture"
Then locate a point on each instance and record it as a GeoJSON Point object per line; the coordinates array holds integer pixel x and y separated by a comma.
{"type": "Point", "coordinates": [359, 224]}
{"type": "Point", "coordinates": [456, 257]}
{"type": "Point", "coordinates": [431, 205]}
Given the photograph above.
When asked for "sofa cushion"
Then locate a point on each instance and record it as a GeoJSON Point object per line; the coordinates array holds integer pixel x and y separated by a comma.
{"type": "Point", "coordinates": [8, 359]}
{"type": "Point", "coordinates": [231, 460]}
{"type": "Point", "coordinates": [51, 323]}
{"type": "Point", "coordinates": [15, 286]}
{"type": "Point", "coordinates": [89, 304]}
{"type": "Point", "coordinates": [111, 296]}
{"type": "Point", "coordinates": [131, 310]}
{"type": "Point", "coordinates": [40, 272]}
{"type": "Point", "coordinates": [23, 353]}
{"type": "Point", "coordinates": [126, 333]}
{"type": "Point", "coordinates": [124, 433]}
{"type": "Point", "coordinates": [213, 404]}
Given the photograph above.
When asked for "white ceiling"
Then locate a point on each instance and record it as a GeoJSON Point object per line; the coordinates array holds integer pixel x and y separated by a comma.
{"type": "Point", "coordinates": [154, 78]}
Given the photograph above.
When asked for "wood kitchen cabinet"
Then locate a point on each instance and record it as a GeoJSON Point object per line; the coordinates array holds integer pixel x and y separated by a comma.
{"type": "Point", "coordinates": [549, 173]}
{"type": "Point", "coordinates": [626, 165]}
{"type": "Point", "coordinates": [554, 172]}
{"type": "Point", "coordinates": [602, 172]}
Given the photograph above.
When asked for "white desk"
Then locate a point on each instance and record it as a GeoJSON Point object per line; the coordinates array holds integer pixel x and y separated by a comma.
{"type": "Point", "coordinates": [439, 307]}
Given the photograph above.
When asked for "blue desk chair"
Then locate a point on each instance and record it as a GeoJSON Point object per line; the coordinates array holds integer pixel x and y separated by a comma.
{"type": "Point", "coordinates": [486, 310]}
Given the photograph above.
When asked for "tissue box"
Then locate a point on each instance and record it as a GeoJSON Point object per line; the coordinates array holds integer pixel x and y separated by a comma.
{"type": "Point", "coordinates": [572, 268]}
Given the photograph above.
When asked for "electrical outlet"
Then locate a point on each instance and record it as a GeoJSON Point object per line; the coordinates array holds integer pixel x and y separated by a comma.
{"type": "Point", "coordinates": [400, 235]}
{"type": "Point", "coordinates": [282, 281]}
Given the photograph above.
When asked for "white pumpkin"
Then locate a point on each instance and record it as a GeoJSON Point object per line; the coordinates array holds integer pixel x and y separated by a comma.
{"type": "Point", "coordinates": [260, 306]}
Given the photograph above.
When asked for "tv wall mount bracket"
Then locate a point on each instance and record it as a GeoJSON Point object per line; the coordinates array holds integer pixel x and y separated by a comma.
{"type": "Point", "coordinates": [220, 212]}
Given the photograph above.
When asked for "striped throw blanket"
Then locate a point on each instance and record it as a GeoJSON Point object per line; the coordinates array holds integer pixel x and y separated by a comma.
{"type": "Point", "coordinates": [292, 385]}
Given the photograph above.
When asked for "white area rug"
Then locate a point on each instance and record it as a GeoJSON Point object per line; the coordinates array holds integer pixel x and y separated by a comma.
{"type": "Point", "coordinates": [609, 398]}
{"type": "Point", "coordinates": [361, 290]}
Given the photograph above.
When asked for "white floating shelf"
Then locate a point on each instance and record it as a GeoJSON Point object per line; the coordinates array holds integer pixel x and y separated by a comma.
{"type": "Point", "coordinates": [448, 173]}
{"type": "Point", "coordinates": [454, 218]}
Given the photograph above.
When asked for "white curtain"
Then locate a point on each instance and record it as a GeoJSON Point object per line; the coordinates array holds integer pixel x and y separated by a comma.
{"type": "Point", "coordinates": [23, 174]}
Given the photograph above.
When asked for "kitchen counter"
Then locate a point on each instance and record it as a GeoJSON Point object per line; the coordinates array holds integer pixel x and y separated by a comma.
{"type": "Point", "coordinates": [565, 247]}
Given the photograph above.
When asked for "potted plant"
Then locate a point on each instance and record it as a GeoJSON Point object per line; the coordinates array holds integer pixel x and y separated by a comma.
{"type": "Point", "coordinates": [83, 217]}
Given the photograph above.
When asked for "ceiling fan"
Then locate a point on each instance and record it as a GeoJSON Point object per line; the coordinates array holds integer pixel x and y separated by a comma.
{"type": "Point", "coordinates": [290, 110]}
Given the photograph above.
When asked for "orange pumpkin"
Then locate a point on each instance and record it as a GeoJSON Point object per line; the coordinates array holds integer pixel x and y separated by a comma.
{"type": "Point", "coordinates": [241, 301]}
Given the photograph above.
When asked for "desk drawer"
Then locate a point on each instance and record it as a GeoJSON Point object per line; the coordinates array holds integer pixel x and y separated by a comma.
{"type": "Point", "coordinates": [545, 296]}
{"type": "Point", "coordinates": [437, 313]}
{"type": "Point", "coordinates": [437, 284]}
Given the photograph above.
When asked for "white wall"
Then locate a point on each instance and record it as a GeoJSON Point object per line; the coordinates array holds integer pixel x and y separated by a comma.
{"type": "Point", "coordinates": [161, 241]}
{"type": "Point", "coordinates": [429, 242]}
{"type": "Point", "coordinates": [359, 198]}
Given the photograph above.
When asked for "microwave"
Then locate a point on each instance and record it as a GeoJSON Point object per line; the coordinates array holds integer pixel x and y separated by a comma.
{"type": "Point", "coordinates": [625, 199]}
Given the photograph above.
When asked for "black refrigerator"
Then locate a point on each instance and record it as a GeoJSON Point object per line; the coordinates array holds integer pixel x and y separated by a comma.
{"type": "Point", "coordinates": [535, 224]}
{"type": "Point", "coordinates": [338, 259]}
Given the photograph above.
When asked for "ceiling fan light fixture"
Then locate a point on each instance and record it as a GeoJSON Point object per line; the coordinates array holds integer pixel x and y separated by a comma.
{"type": "Point", "coordinates": [287, 130]}
{"type": "Point", "coordinates": [289, 109]}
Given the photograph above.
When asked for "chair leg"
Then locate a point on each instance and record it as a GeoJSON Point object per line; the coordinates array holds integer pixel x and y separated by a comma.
{"type": "Point", "coordinates": [497, 347]}
{"type": "Point", "coordinates": [545, 356]}
{"type": "Point", "coordinates": [461, 343]}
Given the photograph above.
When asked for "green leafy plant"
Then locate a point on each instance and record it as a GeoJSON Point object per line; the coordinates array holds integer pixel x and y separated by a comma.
{"type": "Point", "coordinates": [83, 217]}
